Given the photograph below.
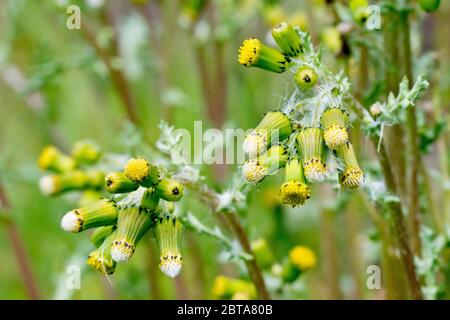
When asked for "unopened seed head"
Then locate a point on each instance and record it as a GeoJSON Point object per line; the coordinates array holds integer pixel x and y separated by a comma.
{"type": "Point", "coordinates": [48, 185]}
{"type": "Point", "coordinates": [170, 264]}
{"type": "Point", "coordinates": [255, 143]}
{"type": "Point", "coordinates": [351, 179]}
{"type": "Point", "coordinates": [253, 171]}
{"type": "Point", "coordinates": [294, 193]}
{"type": "Point", "coordinates": [121, 250]}
{"type": "Point", "coordinates": [335, 136]}
{"type": "Point", "coordinates": [315, 170]}
{"type": "Point", "coordinates": [72, 221]}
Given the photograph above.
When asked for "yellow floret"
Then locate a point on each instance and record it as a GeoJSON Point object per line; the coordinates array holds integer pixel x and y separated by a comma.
{"type": "Point", "coordinates": [294, 193]}
{"type": "Point", "coordinates": [302, 257]}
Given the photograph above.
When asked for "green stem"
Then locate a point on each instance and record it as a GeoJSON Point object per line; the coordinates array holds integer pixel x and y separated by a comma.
{"type": "Point", "coordinates": [414, 149]}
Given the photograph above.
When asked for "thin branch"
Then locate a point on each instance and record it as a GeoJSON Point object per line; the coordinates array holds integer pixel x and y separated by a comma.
{"type": "Point", "coordinates": [19, 251]}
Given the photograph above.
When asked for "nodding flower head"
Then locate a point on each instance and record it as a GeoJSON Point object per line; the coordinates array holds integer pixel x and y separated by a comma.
{"type": "Point", "coordinates": [169, 189]}
{"type": "Point", "coordinates": [351, 176]}
{"type": "Point", "coordinates": [86, 152]}
{"type": "Point", "coordinates": [253, 53]}
{"type": "Point", "coordinates": [100, 259]}
{"type": "Point", "coordinates": [274, 127]}
{"type": "Point", "coordinates": [255, 170]}
{"type": "Point", "coordinates": [100, 213]}
{"type": "Point", "coordinates": [54, 160]}
{"type": "Point", "coordinates": [302, 258]}
{"type": "Point", "coordinates": [287, 39]}
{"type": "Point", "coordinates": [132, 224]}
{"type": "Point", "coordinates": [334, 122]}
{"type": "Point", "coordinates": [141, 171]}
{"type": "Point", "coordinates": [168, 232]}
{"type": "Point", "coordinates": [305, 77]}
{"type": "Point", "coordinates": [73, 180]}
{"type": "Point", "coordinates": [294, 191]}
{"type": "Point", "coordinates": [312, 149]}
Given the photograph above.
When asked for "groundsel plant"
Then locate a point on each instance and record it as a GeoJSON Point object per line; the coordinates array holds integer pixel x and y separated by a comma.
{"type": "Point", "coordinates": [139, 198]}
{"type": "Point", "coordinates": [308, 133]}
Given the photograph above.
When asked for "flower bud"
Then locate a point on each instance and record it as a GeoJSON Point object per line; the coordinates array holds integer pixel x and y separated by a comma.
{"type": "Point", "coordinates": [86, 152]}
{"type": "Point", "coordinates": [54, 160]}
{"type": "Point", "coordinates": [117, 182]}
{"type": "Point", "coordinates": [274, 127]}
{"type": "Point", "coordinates": [168, 232]}
{"type": "Point", "coordinates": [334, 123]}
{"type": "Point", "coordinates": [287, 39]}
{"type": "Point", "coordinates": [351, 176]}
{"type": "Point", "coordinates": [311, 147]}
{"type": "Point", "coordinates": [305, 77]}
{"type": "Point", "coordinates": [225, 288]}
{"type": "Point", "coordinates": [132, 224]}
{"type": "Point", "coordinates": [74, 180]}
{"type": "Point", "coordinates": [99, 235]}
{"type": "Point", "coordinates": [169, 189]}
{"type": "Point", "coordinates": [101, 213]}
{"type": "Point", "coordinates": [255, 170]}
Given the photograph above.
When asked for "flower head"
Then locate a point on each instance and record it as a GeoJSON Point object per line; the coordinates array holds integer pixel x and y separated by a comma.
{"type": "Point", "coordinates": [168, 231]}
{"type": "Point", "coordinates": [311, 145]}
{"type": "Point", "coordinates": [73, 180]}
{"type": "Point", "coordinates": [294, 191]}
{"type": "Point", "coordinates": [132, 224]}
{"type": "Point", "coordinates": [351, 176]}
{"type": "Point", "coordinates": [100, 213]}
{"type": "Point", "coordinates": [54, 160]}
{"type": "Point", "coordinates": [274, 127]}
{"type": "Point", "coordinates": [334, 122]}
{"type": "Point", "coordinates": [253, 53]}
{"type": "Point", "coordinates": [141, 171]}
{"type": "Point", "coordinates": [302, 257]}
{"type": "Point", "coordinates": [255, 170]}
{"type": "Point", "coordinates": [100, 259]}
{"type": "Point", "coordinates": [305, 77]}
{"type": "Point", "coordinates": [287, 39]}
{"type": "Point", "coordinates": [86, 152]}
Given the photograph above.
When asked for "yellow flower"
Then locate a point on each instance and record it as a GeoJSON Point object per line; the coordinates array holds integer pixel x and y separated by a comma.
{"type": "Point", "coordinates": [302, 257]}
{"type": "Point", "coordinates": [141, 171]}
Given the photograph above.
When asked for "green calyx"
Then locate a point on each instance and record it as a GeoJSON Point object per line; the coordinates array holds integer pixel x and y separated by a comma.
{"type": "Point", "coordinates": [101, 259]}
{"type": "Point", "coordinates": [169, 190]}
{"type": "Point", "coordinates": [168, 233]}
{"type": "Point", "coordinates": [99, 235]}
{"type": "Point", "coordinates": [117, 182]}
{"type": "Point", "coordinates": [305, 77]}
{"type": "Point", "coordinates": [100, 213]}
{"type": "Point", "coordinates": [132, 224]}
{"type": "Point", "coordinates": [287, 39]}
{"type": "Point", "coordinates": [253, 53]}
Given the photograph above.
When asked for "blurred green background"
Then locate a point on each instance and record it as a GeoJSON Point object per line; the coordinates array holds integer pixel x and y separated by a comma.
{"type": "Point", "coordinates": [177, 61]}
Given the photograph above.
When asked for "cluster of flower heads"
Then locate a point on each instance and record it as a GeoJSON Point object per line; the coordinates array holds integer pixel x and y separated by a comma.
{"type": "Point", "coordinates": [139, 200]}
{"type": "Point", "coordinates": [300, 260]}
{"type": "Point", "coordinates": [308, 134]}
